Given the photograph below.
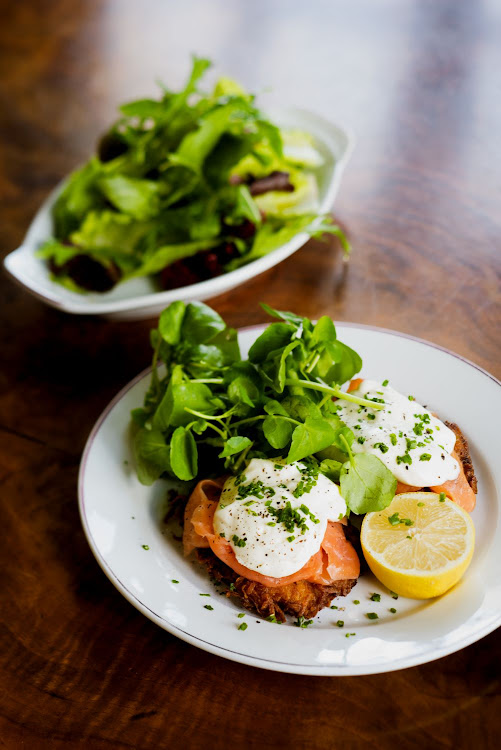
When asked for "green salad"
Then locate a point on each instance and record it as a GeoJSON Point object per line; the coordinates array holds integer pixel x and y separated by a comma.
{"type": "Point", "coordinates": [207, 412]}
{"type": "Point", "coordinates": [184, 188]}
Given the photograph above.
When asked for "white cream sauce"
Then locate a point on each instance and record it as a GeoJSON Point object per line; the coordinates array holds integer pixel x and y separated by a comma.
{"type": "Point", "coordinates": [246, 515]}
{"type": "Point", "coordinates": [414, 445]}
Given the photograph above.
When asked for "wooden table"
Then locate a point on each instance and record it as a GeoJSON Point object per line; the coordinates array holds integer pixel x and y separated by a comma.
{"type": "Point", "coordinates": [419, 83]}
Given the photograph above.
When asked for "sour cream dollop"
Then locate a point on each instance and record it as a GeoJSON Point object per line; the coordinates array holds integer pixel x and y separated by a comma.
{"type": "Point", "coordinates": [414, 445]}
{"type": "Point", "coordinates": [268, 535]}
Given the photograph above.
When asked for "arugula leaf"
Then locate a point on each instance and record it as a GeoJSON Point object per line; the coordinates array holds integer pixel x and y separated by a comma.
{"type": "Point", "coordinates": [272, 406]}
{"type": "Point", "coordinates": [197, 145]}
{"type": "Point", "coordinates": [346, 362]}
{"type": "Point", "coordinates": [79, 195]}
{"type": "Point", "coordinates": [308, 438]}
{"type": "Point", "coordinates": [277, 432]}
{"type": "Point", "coordinates": [144, 109]}
{"type": "Point", "coordinates": [137, 197]}
{"type": "Point", "coordinates": [324, 331]}
{"type": "Point", "coordinates": [201, 323]}
{"type": "Point", "coordinates": [274, 337]}
{"type": "Point", "coordinates": [282, 315]}
{"type": "Point", "coordinates": [331, 469]}
{"type": "Point", "coordinates": [183, 454]}
{"type": "Point", "coordinates": [152, 455]}
{"type": "Point", "coordinates": [171, 411]}
{"type": "Point", "coordinates": [170, 322]}
{"type": "Point", "coordinates": [367, 484]}
{"type": "Point", "coordinates": [168, 254]}
{"type": "Point", "coordinates": [105, 230]}
{"type": "Point", "coordinates": [302, 408]}
{"type": "Point", "coordinates": [235, 444]}
{"type": "Point", "coordinates": [243, 390]}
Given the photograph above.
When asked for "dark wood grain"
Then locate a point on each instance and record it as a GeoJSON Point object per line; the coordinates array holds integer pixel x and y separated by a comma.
{"type": "Point", "coordinates": [419, 83]}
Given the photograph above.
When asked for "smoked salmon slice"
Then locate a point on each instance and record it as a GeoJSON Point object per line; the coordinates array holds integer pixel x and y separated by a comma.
{"type": "Point", "coordinates": [458, 489]}
{"type": "Point", "coordinates": [335, 560]}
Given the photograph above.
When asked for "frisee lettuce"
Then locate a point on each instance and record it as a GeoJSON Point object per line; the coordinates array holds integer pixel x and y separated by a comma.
{"type": "Point", "coordinates": [171, 179]}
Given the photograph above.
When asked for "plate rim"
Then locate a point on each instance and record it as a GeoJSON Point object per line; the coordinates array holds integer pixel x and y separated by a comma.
{"type": "Point", "coordinates": [242, 658]}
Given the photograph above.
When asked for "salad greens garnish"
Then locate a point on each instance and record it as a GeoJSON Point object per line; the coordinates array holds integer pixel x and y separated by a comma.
{"type": "Point", "coordinates": [208, 412]}
{"type": "Point", "coordinates": [189, 185]}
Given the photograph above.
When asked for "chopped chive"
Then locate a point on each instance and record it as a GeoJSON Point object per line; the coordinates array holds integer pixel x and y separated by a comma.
{"type": "Point", "coordinates": [241, 614]}
{"type": "Point", "coordinates": [340, 623]}
{"type": "Point", "coordinates": [333, 606]}
{"type": "Point", "coordinates": [375, 597]}
{"type": "Point", "coordinates": [243, 626]}
{"type": "Point", "coordinates": [442, 497]}
{"type": "Point", "coordinates": [356, 601]}
{"type": "Point", "coordinates": [145, 546]}
{"type": "Point", "coordinates": [420, 505]}
{"type": "Point", "coordinates": [372, 616]}
{"type": "Point", "coordinates": [173, 580]}
{"type": "Point", "coordinates": [392, 610]}
{"type": "Point", "coordinates": [208, 606]}
{"type": "Point", "coordinates": [385, 382]}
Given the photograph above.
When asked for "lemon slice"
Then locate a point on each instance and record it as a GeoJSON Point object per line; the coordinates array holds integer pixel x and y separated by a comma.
{"type": "Point", "coordinates": [424, 558]}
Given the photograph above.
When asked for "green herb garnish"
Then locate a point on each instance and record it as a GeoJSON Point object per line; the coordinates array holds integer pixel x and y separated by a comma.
{"type": "Point", "coordinates": [302, 623]}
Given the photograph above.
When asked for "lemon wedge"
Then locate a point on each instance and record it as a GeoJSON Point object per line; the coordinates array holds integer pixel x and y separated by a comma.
{"type": "Point", "coordinates": [420, 545]}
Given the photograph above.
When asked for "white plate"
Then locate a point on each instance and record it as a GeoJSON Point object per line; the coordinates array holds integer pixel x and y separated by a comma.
{"type": "Point", "coordinates": [138, 298]}
{"type": "Point", "coordinates": [119, 515]}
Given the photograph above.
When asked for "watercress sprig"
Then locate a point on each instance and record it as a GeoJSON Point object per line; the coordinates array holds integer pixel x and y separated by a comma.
{"type": "Point", "coordinates": [207, 411]}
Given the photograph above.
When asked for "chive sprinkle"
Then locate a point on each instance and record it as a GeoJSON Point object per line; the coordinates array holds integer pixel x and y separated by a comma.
{"type": "Point", "coordinates": [242, 626]}
{"type": "Point", "coordinates": [340, 623]}
{"type": "Point", "coordinates": [208, 606]}
{"type": "Point", "coordinates": [372, 616]}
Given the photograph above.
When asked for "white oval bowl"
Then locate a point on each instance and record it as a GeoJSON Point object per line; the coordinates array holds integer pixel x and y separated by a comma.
{"type": "Point", "coordinates": [138, 298]}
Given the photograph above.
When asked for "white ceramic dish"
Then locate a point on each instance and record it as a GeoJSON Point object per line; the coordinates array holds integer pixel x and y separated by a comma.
{"type": "Point", "coordinates": [120, 515]}
{"type": "Point", "coordinates": [138, 298]}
